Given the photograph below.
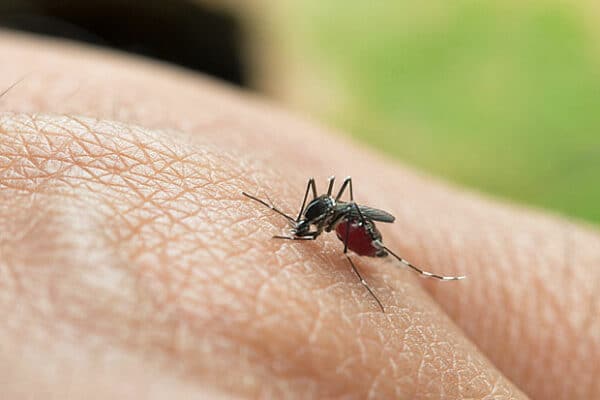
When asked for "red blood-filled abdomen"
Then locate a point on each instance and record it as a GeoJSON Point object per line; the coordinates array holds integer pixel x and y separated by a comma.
{"type": "Point", "coordinates": [360, 240]}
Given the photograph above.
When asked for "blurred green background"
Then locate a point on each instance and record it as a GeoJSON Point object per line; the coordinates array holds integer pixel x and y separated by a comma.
{"type": "Point", "coordinates": [500, 96]}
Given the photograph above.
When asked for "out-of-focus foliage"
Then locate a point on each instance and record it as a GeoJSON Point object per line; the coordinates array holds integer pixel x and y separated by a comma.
{"type": "Point", "coordinates": [503, 96]}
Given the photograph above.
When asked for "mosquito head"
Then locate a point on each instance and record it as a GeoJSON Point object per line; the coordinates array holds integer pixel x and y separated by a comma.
{"type": "Point", "coordinates": [301, 228]}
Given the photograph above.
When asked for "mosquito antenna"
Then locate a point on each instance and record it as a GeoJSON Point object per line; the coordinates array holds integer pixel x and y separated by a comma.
{"type": "Point", "coordinates": [272, 207]}
{"type": "Point", "coordinates": [264, 203]}
{"type": "Point", "coordinates": [423, 273]}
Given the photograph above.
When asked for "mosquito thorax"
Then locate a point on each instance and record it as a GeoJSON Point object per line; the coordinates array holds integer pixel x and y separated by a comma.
{"type": "Point", "coordinates": [319, 208]}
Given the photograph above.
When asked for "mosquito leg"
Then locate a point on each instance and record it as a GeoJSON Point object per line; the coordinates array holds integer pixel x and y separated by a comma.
{"type": "Point", "coordinates": [295, 237]}
{"type": "Point", "coordinates": [347, 183]}
{"type": "Point", "coordinates": [330, 188]}
{"type": "Point", "coordinates": [310, 185]}
{"type": "Point", "coordinates": [362, 218]}
{"type": "Point", "coordinates": [313, 187]}
{"type": "Point", "coordinates": [365, 284]}
{"type": "Point", "coordinates": [346, 236]}
{"type": "Point", "coordinates": [402, 260]}
{"type": "Point", "coordinates": [420, 271]}
{"type": "Point", "coordinates": [264, 203]}
{"type": "Point", "coordinates": [308, 236]}
{"type": "Point", "coordinates": [362, 281]}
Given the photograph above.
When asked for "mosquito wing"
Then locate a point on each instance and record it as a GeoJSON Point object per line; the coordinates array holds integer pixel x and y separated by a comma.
{"type": "Point", "coordinates": [374, 214]}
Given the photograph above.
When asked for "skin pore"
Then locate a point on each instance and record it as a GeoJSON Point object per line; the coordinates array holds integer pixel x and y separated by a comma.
{"type": "Point", "coordinates": [132, 266]}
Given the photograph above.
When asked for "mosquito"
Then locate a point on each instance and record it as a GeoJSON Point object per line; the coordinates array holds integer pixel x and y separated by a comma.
{"type": "Point", "coordinates": [353, 223]}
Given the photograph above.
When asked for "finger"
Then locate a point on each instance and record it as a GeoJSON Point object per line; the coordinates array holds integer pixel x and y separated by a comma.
{"type": "Point", "coordinates": [150, 252]}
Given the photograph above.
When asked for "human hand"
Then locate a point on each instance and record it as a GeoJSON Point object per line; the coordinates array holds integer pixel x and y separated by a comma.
{"type": "Point", "coordinates": [131, 266]}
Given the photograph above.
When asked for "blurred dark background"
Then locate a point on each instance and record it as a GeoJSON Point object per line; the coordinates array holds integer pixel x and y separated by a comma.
{"type": "Point", "coordinates": [182, 32]}
{"type": "Point", "coordinates": [499, 96]}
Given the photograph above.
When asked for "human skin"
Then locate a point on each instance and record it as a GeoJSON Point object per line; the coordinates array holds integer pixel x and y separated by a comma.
{"type": "Point", "coordinates": [131, 265]}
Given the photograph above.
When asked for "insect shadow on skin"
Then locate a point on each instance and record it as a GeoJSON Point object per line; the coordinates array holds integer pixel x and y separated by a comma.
{"type": "Point", "coordinates": [353, 223]}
